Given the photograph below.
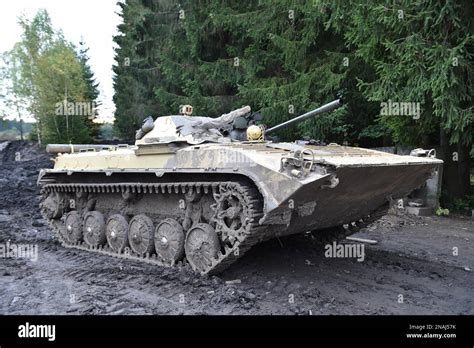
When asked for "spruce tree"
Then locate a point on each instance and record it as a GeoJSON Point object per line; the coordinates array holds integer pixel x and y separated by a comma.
{"type": "Point", "coordinates": [91, 93]}
{"type": "Point", "coordinates": [274, 55]}
{"type": "Point", "coordinates": [421, 52]}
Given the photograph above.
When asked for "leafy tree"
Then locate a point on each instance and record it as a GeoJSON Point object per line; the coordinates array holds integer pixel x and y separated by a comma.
{"type": "Point", "coordinates": [61, 88]}
{"type": "Point", "coordinates": [36, 37]}
{"type": "Point", "coordinates": [45, 72]}
{"type": "Point", "coordinates": [14, 104]}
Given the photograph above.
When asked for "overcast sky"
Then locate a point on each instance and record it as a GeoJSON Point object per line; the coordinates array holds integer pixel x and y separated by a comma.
{"type": "Point", "coordinates": [93, 20]}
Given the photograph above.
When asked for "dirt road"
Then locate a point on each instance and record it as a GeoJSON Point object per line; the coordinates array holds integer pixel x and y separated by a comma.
{"type": "Point", "coordinates": [419, 266]}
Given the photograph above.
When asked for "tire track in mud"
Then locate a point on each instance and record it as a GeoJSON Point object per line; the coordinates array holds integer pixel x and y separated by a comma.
{"type": "Point", "coordinates": [126, 287]}
{"type": "Point", "coordinates": [105, 285]}
{"type": "Point", "coordinates": [424, 288]}
{"type": "Point", "coordinates": [345, 286]}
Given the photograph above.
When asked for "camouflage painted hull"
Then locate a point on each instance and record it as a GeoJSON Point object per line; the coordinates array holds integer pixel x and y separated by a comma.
{"type": "Point", "coordinates": [284, 188]}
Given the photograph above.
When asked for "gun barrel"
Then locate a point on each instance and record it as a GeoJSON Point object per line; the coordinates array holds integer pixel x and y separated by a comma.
{"type": "Point", "coordinates": [325, 108]}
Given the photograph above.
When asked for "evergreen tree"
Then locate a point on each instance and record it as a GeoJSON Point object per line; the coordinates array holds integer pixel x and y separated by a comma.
{"type": "Point", "coordinates": [421, 52]}
{"type": "Point", "coordinates": [274, 55]}
{"type": "Point", "coordinates": [136, 71]}
{"type": "Point", "coordinates": [92, 88]}
{"type": "Point", "coordinates": [285, 57]}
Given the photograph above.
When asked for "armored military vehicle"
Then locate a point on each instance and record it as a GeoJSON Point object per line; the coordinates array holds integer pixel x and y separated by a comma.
{"type": "Point", "coordinates": [203, 190]}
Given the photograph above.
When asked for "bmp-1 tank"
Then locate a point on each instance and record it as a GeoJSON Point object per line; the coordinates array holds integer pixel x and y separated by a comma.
{"type": "Point", "coordinates": [203, 190]}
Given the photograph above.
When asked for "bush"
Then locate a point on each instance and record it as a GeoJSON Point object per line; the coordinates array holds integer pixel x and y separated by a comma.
{"type": "Point", "coordinates": [10, 134]}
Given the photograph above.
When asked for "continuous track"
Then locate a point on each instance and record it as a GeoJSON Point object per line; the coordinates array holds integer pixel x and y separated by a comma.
{"type": "Point", "coordinates": [248, 235]}
{"type": "Point", "coordinates": [237, 202]}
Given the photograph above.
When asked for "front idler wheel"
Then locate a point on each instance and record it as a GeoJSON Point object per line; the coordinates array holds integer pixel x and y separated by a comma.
{"type": "Point", "coordinates": [53, 206]}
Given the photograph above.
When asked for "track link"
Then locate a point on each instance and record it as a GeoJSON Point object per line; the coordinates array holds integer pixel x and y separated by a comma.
{"type": "Point", "coordinates": [229, 253]}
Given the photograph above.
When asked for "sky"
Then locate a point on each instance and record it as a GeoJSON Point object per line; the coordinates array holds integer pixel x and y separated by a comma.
{"type": "Point", "coordinates": [93, 21]}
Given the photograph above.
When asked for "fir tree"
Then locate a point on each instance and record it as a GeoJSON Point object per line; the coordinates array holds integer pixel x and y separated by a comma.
{"type": "Point", "coordinates": [92, 93]}
{"type": "Point", "coordinates": [421, 52]}
{"type": "Point", "coordinates": [274, 55]}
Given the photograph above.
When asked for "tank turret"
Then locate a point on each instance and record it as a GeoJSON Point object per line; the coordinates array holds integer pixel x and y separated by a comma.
{"type": "Point", "coordinates": [228, 127]}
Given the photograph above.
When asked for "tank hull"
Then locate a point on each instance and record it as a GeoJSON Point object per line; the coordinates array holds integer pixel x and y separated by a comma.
{"type": "Point", "coordinates": [278, 192]}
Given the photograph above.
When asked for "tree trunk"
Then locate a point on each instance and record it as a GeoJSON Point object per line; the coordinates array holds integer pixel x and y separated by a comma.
{"type": "Point", "coordinates": [464, 166]}
{"type": "Point", "coordinates": [456, 181]}
{"type": "Point", "coordinates": [21, 130]}
{"type": "Point", "coordinates": [38, 130]}
{"type": "Point", "coordinates": [21, 121]}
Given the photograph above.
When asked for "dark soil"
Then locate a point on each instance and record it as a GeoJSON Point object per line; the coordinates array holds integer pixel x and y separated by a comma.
{"type": "Point", "coordinates": [412, 269]}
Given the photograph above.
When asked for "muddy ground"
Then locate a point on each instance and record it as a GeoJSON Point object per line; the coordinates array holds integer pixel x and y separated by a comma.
{"type": "Point", "coordinates": [412, 269]}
